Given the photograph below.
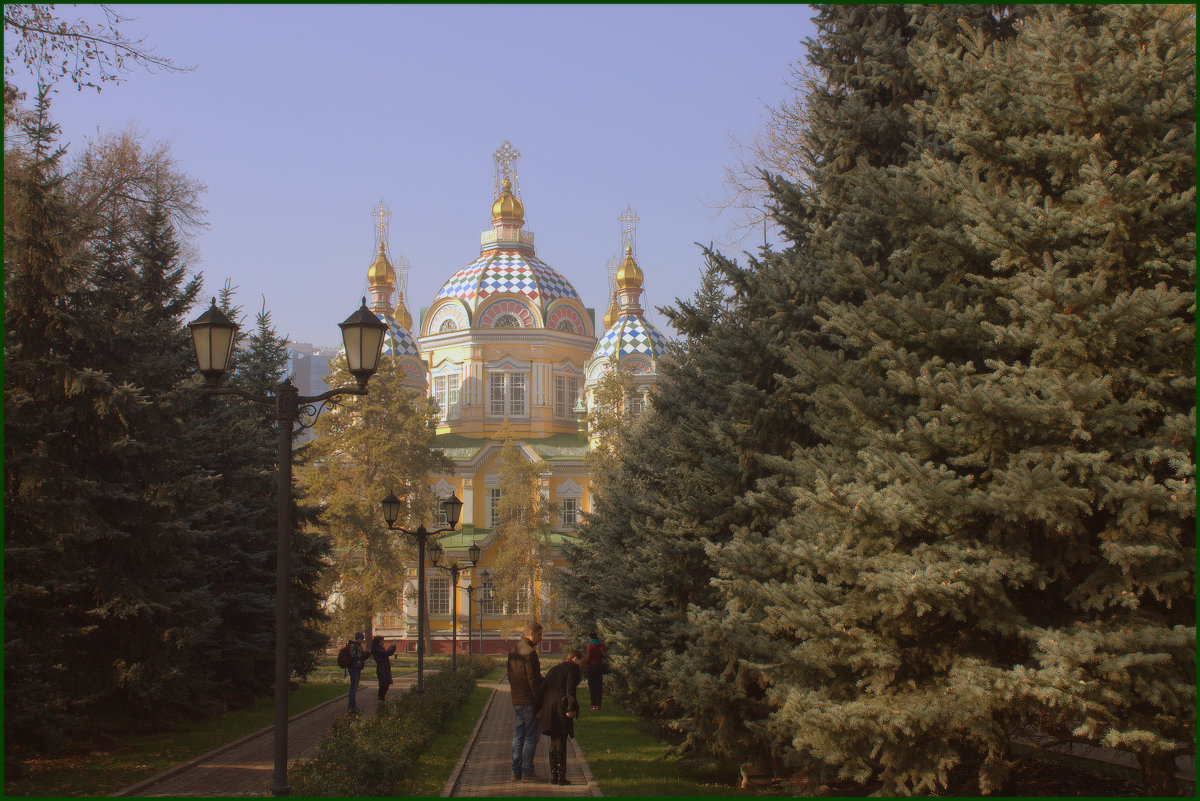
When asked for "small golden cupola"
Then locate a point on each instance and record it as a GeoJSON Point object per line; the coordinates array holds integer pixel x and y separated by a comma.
{"type": "Point", "coordinates": [612, 314]}
{"type": "Point", "coordinates": [381, 272]}
{"type": "Point", "coordinates": [508, 209]}
{"type": "Point", "coordinates": [629, 274]}
{"type": "Point", "coordinates": [401, 314]}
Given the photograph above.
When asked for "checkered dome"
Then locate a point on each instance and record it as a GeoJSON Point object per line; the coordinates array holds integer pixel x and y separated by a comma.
{"type": "Point", "coordinates": [397, 341]}
{"type": "Point", "coordinates": [508, 272]}
{"type": "Point", "coordinates": [630, 334]}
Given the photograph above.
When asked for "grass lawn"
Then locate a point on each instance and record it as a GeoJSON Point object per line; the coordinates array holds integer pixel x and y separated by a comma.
{"type": "Point", "coordinates": [628, 761]}
{"type": "Point", "coordinates": [141, 756]}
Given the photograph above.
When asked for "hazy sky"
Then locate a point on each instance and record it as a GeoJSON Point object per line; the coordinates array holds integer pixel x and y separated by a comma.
{"type": "Point", "coordinates": [301, 119]}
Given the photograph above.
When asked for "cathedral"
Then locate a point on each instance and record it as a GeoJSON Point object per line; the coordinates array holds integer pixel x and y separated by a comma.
{"type": "Point", "coordinates": [507, 341]}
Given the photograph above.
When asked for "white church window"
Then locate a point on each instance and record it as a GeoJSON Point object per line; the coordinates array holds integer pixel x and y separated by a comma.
{"type": "Point", "coordinates": [439, 595]}
{"type": "Point", "coordinates": [506, 395]}
{"type": "Point", "coordinates": [566, 392]}
{"type": "Point", "coordinates": [494, 507]}
{"type": "Point", "coordinates": [446, 393]}
{"type": "Point", "coordinates": [568, 512]}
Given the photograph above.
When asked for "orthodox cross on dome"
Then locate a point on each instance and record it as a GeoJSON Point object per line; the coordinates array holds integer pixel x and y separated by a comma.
{"type": "Point", "coordinates": [629, 222]}
{"type": "Point", "coordinates": [611, 268]}
{"type": "Point", "coordinates": [402, 267]}
{"type": "Point", "coordinates": [506, 158]}
{"type": "Point", "coordinates": [382, 212]}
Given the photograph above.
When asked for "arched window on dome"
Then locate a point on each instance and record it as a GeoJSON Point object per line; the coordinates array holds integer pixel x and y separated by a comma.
{"type": "Point", "coordinates": [447, 325]}
{"type": "Point", "coordinates": [507, 321]}
{"type": "Point", "coordinates": [567, 326]}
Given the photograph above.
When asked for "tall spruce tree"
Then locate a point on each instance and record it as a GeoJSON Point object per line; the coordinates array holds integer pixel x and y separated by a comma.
{"type": "Point", "coordinates": [982, 537]}
{"type": "Point", "coordinates": [151, 603]}
{"type": "Point", "coordinates": [101, 550]}
{"type": "Point", "coordinates": [46, 398]}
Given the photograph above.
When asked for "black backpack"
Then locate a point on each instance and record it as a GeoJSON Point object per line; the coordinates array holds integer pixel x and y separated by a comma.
{"type": "Point", "coordinates": [344, 656]}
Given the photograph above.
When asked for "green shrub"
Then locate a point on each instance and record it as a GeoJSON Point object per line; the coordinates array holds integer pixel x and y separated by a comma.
{"type": "Point", "coordinates": [369, 756]}
{"type": "Point", "coordinates": [477, 665]}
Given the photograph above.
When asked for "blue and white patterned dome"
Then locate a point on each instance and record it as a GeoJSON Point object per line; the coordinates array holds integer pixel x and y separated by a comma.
{"type": "Point", "coordinates": [631, 341]}
{"type": "Point", "coordinates": [508, 272]}
{"type": "Point", "coordinates": [397, 341]}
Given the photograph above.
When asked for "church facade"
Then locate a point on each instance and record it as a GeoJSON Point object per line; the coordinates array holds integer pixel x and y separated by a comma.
{"type": "Point", "coordinates": [507, 344]}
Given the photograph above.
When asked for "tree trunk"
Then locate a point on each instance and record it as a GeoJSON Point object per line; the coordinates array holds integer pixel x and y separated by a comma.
{"type": "Point", "coordinates": [1158, 773]}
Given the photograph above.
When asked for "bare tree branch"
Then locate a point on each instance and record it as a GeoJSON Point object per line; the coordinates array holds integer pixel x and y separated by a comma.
{"type": "Point", "coordinates": [778, 148]}
{"type": "Point", "coordinates": [90, 54]}
{"type": "Point", "coordinates": [119, 172]}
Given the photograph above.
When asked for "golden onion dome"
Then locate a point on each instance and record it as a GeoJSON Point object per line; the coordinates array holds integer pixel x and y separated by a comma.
{"type": "Point", "coordinates": [508, 208]}
{"type": "Point", "coordinates": [381, 273]}
{"type": "Point", "coordinates": [612, 314]}
{"type": "Point", "coordinates": [629, 275]}
{"type": "Point", "coordinates": [402, 316]}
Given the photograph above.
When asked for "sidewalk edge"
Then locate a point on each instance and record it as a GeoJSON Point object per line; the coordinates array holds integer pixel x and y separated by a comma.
{"type": "Point", "coordinates": [593, 785]}
{"type": "Point", "coordinates": [133, 788]}
{"type": "Point", "coordinates": [451, 782]}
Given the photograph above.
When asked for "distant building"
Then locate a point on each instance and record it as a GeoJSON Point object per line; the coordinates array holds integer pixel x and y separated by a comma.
{"type": "Point", "coordinates": [308, 365]}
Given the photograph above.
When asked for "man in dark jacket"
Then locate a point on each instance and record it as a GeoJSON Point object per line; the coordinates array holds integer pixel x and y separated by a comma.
{"type": "Point", "coordinates": [525, 679]}
{"type": "Point", "coordinates": [557, 709]}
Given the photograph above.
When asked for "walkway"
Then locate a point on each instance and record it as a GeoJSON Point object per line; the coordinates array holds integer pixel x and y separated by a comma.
{"type": "Point", "coordinates": [485, 766]}
{"type": "Point", "coordinates": [247, 766]}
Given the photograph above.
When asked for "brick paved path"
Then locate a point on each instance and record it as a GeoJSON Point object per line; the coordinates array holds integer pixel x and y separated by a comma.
{"type": "Point", "coordinates": [485, 766]}
{"type": "Point", "coordinates": [247, 766]}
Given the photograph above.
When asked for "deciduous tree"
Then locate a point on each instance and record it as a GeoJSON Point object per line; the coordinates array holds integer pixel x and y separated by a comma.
{"type": "Point", "coordinates": [366, 448]}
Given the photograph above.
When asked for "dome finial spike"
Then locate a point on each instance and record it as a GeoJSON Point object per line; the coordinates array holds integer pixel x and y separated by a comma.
{"type": "Point", "coordinates": [506, 158]}
{"type": "Point", "coordinates": [629, 221]}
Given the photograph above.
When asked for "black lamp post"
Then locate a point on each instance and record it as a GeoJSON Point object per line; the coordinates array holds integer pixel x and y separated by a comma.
{"type": "Point", "coordinates": [213, 336]}
{"type": "Point", "coordinates": [484, 575]}
{"type": "Point", "coordinates": [436, 552]}
{"type": "Point", "coordinates": [391, 510]}
{"type": "Point", "coordinates": [473, 553]}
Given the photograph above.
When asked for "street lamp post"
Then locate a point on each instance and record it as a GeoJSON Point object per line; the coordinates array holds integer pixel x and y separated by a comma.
{"type": "Point", "coordinates": [473, 553]}
{"type": "Point", "coordinates": [213, 335]}
{"type": "Point", "coordinates": [391, 511]}
{"type": "Point", "coordinates": [436, 552]}
{"type": "Point", "coordinates": [484, 575]}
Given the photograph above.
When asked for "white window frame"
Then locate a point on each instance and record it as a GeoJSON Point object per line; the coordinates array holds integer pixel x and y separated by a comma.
{"type": "Point", "coordinates": [524, 598]}
{"type": "Point", "coordinates": [508, 394]}
{"type": "Point", "coordinates": [636, 402]}
{"type": "Point", "coordinates": [487, 598]}
{"type": "Point", "coordinates": [437, 512]}
{"type": "Point", "coordinates": [566, 393]}
{"type": "Point", "coordinates": [439, 595]}
{"type": "Point", "coordinates": [568, 512]}
{"type": "Point", "coordinates": [494, 494]}
{"type": "Point", "coordinates": [447, 391]}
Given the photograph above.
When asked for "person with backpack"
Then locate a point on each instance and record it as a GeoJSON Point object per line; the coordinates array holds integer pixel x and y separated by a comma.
{"type": "Point", "coordinates": [383, 665]}
{"type": "Point", "coordinates": [355, 657]}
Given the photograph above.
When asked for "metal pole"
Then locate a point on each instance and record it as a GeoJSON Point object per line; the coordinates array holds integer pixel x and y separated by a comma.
{"type": "Point", "coordinates": [454, 623]}
{"type": "Point", "coordinates": [286, 414]}
{"type": "Point", "coordinates": [421, 533]}
{"type": "Point", "coordinates": [470, 621]}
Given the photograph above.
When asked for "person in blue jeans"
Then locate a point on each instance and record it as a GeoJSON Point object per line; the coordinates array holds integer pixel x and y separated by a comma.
{"type": "Point", "coordinates": [525, 679]}
{"type": "Point", "coordinates": [358, 657]}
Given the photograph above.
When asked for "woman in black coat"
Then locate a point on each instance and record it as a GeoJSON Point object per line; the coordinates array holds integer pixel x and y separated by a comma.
{"type": "Point", "coordinates": [383, 664]}
{"type": "Point", "coordinates": [557, 709]}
